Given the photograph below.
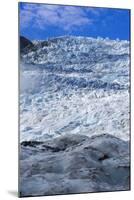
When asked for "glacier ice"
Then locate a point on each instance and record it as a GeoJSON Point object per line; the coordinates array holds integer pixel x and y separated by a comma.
{"type": "Point", "coordinates": [75, 85]}
{"type": "Point", "coordinates": [74, 101]}
{"type": "Point", "coordinates": [70, 164]}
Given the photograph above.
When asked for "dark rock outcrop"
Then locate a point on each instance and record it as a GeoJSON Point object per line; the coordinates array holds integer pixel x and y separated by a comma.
{"type": "Point", "coordinates": [25, 44]}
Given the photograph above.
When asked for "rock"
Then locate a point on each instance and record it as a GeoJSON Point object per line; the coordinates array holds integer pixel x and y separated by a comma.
{"type": "Point", "coordinates": [25, 43]}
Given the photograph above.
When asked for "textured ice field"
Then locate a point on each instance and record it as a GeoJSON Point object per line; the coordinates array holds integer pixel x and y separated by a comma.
{"type": "Point", "coordinates": [45, 116]}
{"type": "Point", "coordinates": [74, 116]}
{"type": "Point", "coordinates": [75, 85]}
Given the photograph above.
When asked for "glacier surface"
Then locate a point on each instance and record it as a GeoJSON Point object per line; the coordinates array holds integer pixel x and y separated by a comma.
{"type": "Point", "coordinates": [70, 164]}
{"type": "Point", "coordinates": [74, 88]}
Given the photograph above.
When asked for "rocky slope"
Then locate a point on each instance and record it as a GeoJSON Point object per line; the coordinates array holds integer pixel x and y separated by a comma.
{"type": "Point", "coordinates": [25, 45]}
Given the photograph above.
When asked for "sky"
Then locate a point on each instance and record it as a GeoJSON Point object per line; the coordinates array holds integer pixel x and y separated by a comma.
{"type": "Point", "coordinates": [42, 21]}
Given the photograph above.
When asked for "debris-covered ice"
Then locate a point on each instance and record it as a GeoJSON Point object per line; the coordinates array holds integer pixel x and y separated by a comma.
{"type": "Point", "coordinates": [74, 164]}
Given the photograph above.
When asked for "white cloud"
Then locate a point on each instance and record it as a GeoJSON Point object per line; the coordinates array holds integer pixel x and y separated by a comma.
{"type": "Point", "coordinates": [64, 17]}
{"type": "Point", "coordinates": [26, 17]}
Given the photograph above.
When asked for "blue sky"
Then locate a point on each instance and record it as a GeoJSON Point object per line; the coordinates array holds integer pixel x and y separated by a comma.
{"type": "Point", "coordinates": [41, 21]}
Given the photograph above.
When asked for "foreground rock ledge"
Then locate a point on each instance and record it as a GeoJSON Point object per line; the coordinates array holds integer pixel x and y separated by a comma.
{"type": "Point", "coordinates": [74, 164]}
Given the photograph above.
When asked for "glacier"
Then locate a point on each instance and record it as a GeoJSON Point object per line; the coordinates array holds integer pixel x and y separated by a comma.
{"type": "Point", "coordinates": [70, 164]}
{"type": "Point", "coordinates": [74, 89]}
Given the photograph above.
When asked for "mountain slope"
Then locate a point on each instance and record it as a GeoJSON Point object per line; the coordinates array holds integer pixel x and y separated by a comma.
{"type": "Point", "coordinates": [24, 44]}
